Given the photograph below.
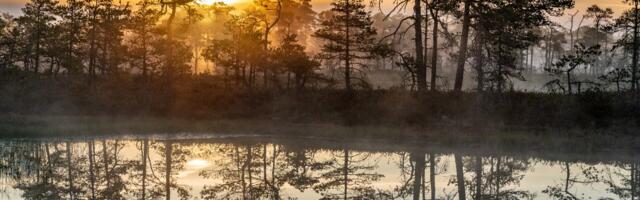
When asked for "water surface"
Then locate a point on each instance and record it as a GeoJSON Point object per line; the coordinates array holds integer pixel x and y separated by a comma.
{"type": "Point", "coordinates": [252, 167]}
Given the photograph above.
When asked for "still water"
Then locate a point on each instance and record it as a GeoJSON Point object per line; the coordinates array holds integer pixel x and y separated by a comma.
{"type": "Point", "coordinates": [253, 167]}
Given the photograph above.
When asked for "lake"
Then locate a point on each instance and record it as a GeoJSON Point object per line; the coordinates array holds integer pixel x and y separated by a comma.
{"type": "Point", "coordinates": [257, 167]}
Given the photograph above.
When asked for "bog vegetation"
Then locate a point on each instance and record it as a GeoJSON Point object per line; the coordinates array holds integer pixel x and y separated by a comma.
{"type": "Point", "coordinates": [442, 62]}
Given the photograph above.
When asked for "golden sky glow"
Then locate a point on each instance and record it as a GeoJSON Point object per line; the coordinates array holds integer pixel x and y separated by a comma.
{"type": "Point", "coordinates": [11, 2]}
{"type": "Point", "coordinates": [617, 5]}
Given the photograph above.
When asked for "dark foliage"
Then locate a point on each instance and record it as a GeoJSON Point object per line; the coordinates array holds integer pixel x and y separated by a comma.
{"type": "Point", "coordinates": [204, 96]}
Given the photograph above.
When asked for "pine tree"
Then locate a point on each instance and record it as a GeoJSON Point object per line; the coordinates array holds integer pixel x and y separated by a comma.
{"type": "Point", "coordinates": [297, 18]}
{"type": "Point", "coordinates": [349, 35]}
{"type": "Point", "coordinates": [72, 24]}
{"type": "Point", "coordinates": [290, 56]}
{"type": "Point", "coordinates": [238, 54]}
{"type": "Point", "coordinates": [36, 20]}
{"type": "Point", "coordinates": [142, 23]}
{"type": "Point", "coordinates": [631, 20]}
{"type": "Point", "coordinates": [504, 30]}
{"type": "Point", "coordinates": [112, 20]}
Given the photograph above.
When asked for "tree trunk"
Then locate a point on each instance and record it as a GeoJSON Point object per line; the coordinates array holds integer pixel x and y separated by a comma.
{"type": "Point", "coordinates": [479, 65]}
{"type": "Point", "coordinates": [569, 82]}
{"type": "Point", "coordinates": [421, 68]}
{"type": "Point", "coordinates": [168, 150]}
{"type": "Point", "coordinates": [169, 68]}
{"type": "Point", "coordinates": [276, 190]}
{"type": "Point", "coordinates": [347, 66]}
{"type": "Point", "coordinates": [345, 173]}
{"type": "Point", "coordinates": [498, 166]}
{"type": "Point", "coordinates": [478, 178]}
{"type": "Point", "coordinates": [92, 44]}
{"type": "Point", "coordinates": [546, 50]}
{"type": "Point", "coordinates": [144, 57]}
{"type": "Point", "coordinates": [70, 169]}
{"type": "Point", "coordinates": [241, 168]}
{"type": "Point", "coordinates": [425, 38]}
{"type": "Point", "coordinates": [634, 62]}
{"type": "Point", "coordinates": [49, 172]}
{"type": "Point", "coordinates": [145, 155]}
{"type": "Point", "coordinates": [462, 56]}
{"type": "Point", "coordinates": [571, 43]}
{"type": "Point", "coordinates": [418, 174]}
{"type": "Point", "coordinates": [531, 55]}
{"type": "Point", "coordinates": [249, 171]}
{"type": "Point", "coordinates": [460, 177]}
{"type": "Point", "coordinates": [105, 161]}
{"type": "Point", "coordinates": [634, 179]}
{"type": "Point", "coordinates": [92, 176]}
{"type": "Point", "coordinates": [267, 31]}
{"type": "Point", "coordinates": [37, 41]}
{"type": "Point", "coordinates": [264, 165]}
{"type": "Point", "coordinates": [434, 51]}
{"type": "Point", "coordinates": [195, 60]}
{"type": "Point", "coordinates": [424, 184]}
{"type": "Point", "coordinates": [568, 176]}
{"type": "Point", "coordinates": [432, 175]}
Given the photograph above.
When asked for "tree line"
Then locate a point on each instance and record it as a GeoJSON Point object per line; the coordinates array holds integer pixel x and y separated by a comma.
{"type": "Point", "coordinates": [286, 44]}
{"type": "Point", "coordinates": [94, 40]}
{"type": "Point", "coordinates": [185, 58]}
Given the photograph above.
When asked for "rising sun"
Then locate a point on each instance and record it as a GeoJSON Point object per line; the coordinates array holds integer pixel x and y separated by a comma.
{"type": "Point", "coordinates": [211, 2]}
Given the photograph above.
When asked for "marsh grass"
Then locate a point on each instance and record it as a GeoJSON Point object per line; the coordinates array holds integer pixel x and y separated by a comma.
{"type": "Point", "coordinates": [204, 98]}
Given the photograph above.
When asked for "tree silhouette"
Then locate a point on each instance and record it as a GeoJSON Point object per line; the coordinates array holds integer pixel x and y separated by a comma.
{"type": "Point", "coordinates": [505, 29]}
{"type": "Point", "coordinates": [586, 176]}
{"type": "Point", "coordinates": [628, 186]}
{"type": "Point", "coordinates": [348, 33]}
{"type": "Point", "coordinates": [617, 76]}
{"type": "Point", "coordinates": [462, 55]}
{"type": "Point", "coordinates": [239, 168]}
{"type": "Point", "coordinates": [239, 55]}
{"type": "Point", "coordinates": [37, 19]}
{"type": "Point", "coordinates": [291, 57]}
{"type": "Point", "coordinates": [497, 182]}
{"type": "Point", "coordinates": [348, 178]}
{"type": "Point", "coordinates": [173, 157]}
{"type": "Point", "coordinates": [568, 63]}
{"type": "Point", "coordinates": [297, 18]}
{"type": "Point", "coordinates": [142, 25]}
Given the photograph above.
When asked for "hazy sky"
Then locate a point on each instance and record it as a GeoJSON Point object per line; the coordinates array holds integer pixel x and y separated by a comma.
{"type": "Point", "coordinates": [13, 6]}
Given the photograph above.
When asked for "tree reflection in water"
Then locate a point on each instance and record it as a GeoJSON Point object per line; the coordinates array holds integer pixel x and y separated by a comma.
{"type": "Point", "coordinates": [243, 169]}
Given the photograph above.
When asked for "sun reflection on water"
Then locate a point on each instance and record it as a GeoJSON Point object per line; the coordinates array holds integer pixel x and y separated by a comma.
{"type": "Point", "coordinates": [197, 164]}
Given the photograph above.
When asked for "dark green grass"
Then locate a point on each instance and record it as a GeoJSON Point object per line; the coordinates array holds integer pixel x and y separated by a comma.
{"type": "Point", "coordinates": [207, 99]}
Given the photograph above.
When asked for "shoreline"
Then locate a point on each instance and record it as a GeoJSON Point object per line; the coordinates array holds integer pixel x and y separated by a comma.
{"type": "Point", "coordinates": [574, 144]}
{"type": "Point", "coordinates": [573, 140]}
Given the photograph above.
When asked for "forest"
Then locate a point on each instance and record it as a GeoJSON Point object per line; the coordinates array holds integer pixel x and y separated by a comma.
{"type": "Point", "coordinates": [427, 63]}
